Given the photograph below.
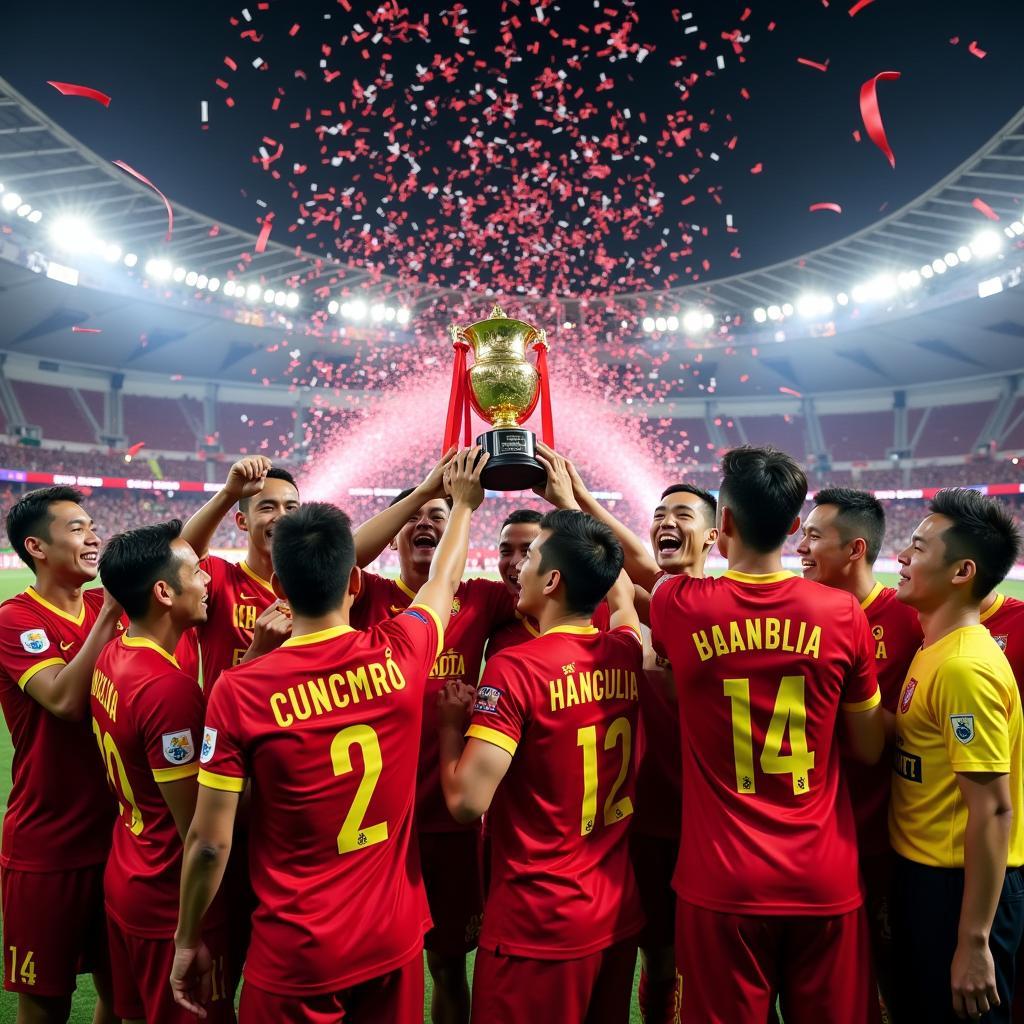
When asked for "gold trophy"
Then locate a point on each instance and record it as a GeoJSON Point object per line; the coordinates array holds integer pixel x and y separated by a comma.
{"type": "Point", "coordinates": [503, 387]}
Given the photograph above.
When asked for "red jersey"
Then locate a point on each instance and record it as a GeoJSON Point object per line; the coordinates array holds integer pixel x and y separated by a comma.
{"type": "Point", "coordinates": [895, 637]}
{"type": "Point", "coordinates": [148, 719]}
{"type": "Point", "coordinates": [237, 597]}
{"type": "Point", "coordinates": [322, 727]}
{"type": "Point", "coordinates": [59, 810]}
{"type": "Point", "coordinates": [659, 795]}
{"type": "Point", "coordinates": [188, 657]}
{"type": "Point", "coordinates": [566, 707]}
{"type": "Point", "coordinates": [1005, 621]}
{"type": "Point", "coordinates": [477, 608]}
{"type": "Point", "coordinates": [762, 665]}
{"type": "Point", "coordinates": [522, 628]}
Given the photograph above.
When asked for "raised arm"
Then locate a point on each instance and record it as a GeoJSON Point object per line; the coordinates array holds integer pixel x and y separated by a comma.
{"type": "Point", "coordinates": [620, 604]}
{"type": "Point", "coordinates": [373, 536]}
{"type": "Point", "coordinates": [462, 482]}
{"type": "Point", "coordinates": [245, 479]}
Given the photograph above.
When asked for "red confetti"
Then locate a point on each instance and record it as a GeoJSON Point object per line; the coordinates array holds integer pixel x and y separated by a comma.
{"type": "Point", "coordinates": [757, 168]}
{"type": "Point", "coordinates": [261, 241]}
{"type": "Point", "coordinates": [834, 207]}
{"type": "Point", "coordinates": [790, 391]}
{"type": "Point", "coordinates": [135, 448]}
{"type": "Point", "coordinates": [68, 89]}
{"type": "Point", "coordinates": [856, 135]}
{"type": "Point", "coordinates": [975, 50]}
{"type": "Point", "coordinates": [145, 181]}
{"type": "Point", "coordinates": [294, 29]}
{"type": "Point", "coordinates": [859, 6]}
{"type": "Point", "coordinates": [982, 207]}
{"type": "Point", "coordinates": [85, 330]}
{"type": "Point", "coordinates": [872, 115]}
{"type": "Point", "coordinates": [813, 64]}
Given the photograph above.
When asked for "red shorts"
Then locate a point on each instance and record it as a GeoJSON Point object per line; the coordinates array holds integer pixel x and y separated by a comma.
{"type": "Point", "coordinates": [453, 880]}
{"type": "Point", "coordinates": [592, 989]}
{"type": "Point", "coordinates": [654, 861]}
{"type": "Point", "coordinates": [54, 928]}
{"type": "Point", "coordinates": [732, 965]}
{"type": "Point", "coordinates": [141, 970]}
{"type": "Point", "coordinates": [395, 998]}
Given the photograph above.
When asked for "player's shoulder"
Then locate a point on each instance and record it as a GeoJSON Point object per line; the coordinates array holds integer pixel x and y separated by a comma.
{"type": "Point", "coordinates": [889, 606]}
{"type": "Point", "coordinates": [17, 607]}
{"type": "Point", "coordinates": [94, 598]}
{"type": "Point", "coordinates": [1009, 607]}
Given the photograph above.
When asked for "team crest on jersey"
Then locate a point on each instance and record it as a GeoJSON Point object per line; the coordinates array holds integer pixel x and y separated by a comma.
{"type": "Point", "coordinates": [487, 698]}
{"type": "Point", "coordinates": [963, 727]}
{"type": "Point", "coordinates": [908, 695]}
{"type": "Point", "coordinates": [209, 745]}
{"type": "Point", "coordinates": [1001, 640]}
{"type": "Point", "coordinates": [178, 747]}
{"type": "Point", "coordinates": [456, 606]}
{"type": "Point", "coordinates": [35, 641]}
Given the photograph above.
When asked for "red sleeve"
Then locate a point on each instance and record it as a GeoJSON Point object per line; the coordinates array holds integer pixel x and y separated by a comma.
{"type": "Point", "coordinates": [501, 710]}
{"type": "Point", "coordinates": [663, 597]}
{"type": "Point", "coordinates": [501, 602]}
{"type": "Point", "coordinates": [632, 644]}
{"type": "Point", "coordinates": [169, 713]}
{"type": "Point", "coordinates": [860, 691]}
{"type": "Point", "coordinates": [222, 760]}
{"type": "Point", "coordinates": [26, 646]}
{"type": "Point", "coordinates": [214, 567]}
{"type": "Point", "coordinates": [415, 637]}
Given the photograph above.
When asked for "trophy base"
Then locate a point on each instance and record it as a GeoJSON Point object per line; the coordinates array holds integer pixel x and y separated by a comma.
{"type": "Point", "coordinates": [511, 466]}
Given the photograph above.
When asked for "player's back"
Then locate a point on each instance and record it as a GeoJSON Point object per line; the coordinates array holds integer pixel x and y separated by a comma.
{"type": "Point", "coordinates": [567, 706]}
{"type": "Point", "coordinates": [326, 727]}
{"type": "Point", "coordinates": [1004, 619]}
{"type": "Point", "coordinates": [762, 665]}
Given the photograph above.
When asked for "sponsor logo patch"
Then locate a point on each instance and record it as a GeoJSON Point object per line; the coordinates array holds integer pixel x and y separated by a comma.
{"type": "Point", "coordinates": [209, 745]}
{"type": "Point", "coordinates": [908, 695]}
{"type": "Point", "coordinates": [963, 727]}
{"type": "Point", "coordinates": [67, 646]}
{"type": "Point", "coordinates": [178, 747]}
{"type": "Point", "coordinates": [907, 766]}
{"type": "Point", "coordinates": [456, 606]}
{"type": "Point", "coordinates": [35, 641]}
{"type": "Point", "coordinates": [487, 698]}
{"type": "Point", "coordinates": [1001, 640]}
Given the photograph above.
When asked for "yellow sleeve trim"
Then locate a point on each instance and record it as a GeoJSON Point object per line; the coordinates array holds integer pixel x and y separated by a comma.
{"type": "Point", "coordinates": [864, 705]}
{"type": "Point", "coordinates": [183, 771]}
{"type": "Point", "coordinates": [437, 622]}
{"type": "Point", "coordinates": [38, 667]}
{"type": "Point", "coordinates": [225, 783]}
{"type": "Point", "coordinates": [488, 735]}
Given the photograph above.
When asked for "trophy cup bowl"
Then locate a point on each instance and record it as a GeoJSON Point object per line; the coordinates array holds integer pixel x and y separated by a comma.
{"type": "Point", "coordinates": [503, 388]}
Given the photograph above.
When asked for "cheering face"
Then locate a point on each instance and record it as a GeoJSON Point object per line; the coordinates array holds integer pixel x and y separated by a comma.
{"type": "Point", "coordinates": [418, 539]}
{"type": "Point", "coordinates": [277, 499]}
{"type": "Point", "coordinates": [926, 578]}
{"type": "Point", "coordinates": [823, 555]}
{"type": "Point", "coordinates": [531, 580]}
{"type": "Point", "coordinates": [679, 532]}
{"type": "Point", "coordinates": [69, 545]}
{"type": "Point", "coordinates": [188, 602]}
{"type": "Point", "coordinates": [513, 546]}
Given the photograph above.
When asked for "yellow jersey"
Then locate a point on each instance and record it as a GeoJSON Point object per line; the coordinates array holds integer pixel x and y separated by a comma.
{"type": "Point", "coordinates": [959, 711]}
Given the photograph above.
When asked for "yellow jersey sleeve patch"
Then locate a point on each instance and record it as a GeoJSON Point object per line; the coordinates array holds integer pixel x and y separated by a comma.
{"type": "Point", "coordinates": [489, 735]}
{"type": "Point", "coordinates": [38, 667]}
{"type": "Point", "coordinates": [182, 771]}
{"type": "Point", "coordinates": [864, 705]}
{"type": "Point", "coordinates": [225, 783]}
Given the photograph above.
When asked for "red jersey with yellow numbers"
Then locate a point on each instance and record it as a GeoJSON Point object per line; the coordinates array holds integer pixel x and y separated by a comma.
{"type": "Point", "coordinates": [147, 715]}
{"type": "Point", "coordinates": [1004, 619]}
{"type": "Point", "coordinates": [762, 665]}
{"type": "Point", "coordinates": [477, 608]}
{"type": "Point", "coordinates": [522, 628]}
{"type": "Point", "coordinates": [565, 706]}
{"type": "Point", "coordinates": [322, 727]}
{"type": "Point", "coordinates": [237, 597]}
{"type": "Point", "coordinates": [59, 810]}
{"type": "Point", "coordinates": [895, 637]}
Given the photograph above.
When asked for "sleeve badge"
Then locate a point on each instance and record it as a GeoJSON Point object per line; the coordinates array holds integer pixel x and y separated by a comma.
{"type": "Point", "coordinates": [963, 727]}
{"type": "Point", "coordinates": [178, 748]}
{"type": "Point", "coordinates": [209, 745]}
{"type": "Point", "coordinates": [35, 641]}
{"type": "Point", "coordinates": [487, 698]}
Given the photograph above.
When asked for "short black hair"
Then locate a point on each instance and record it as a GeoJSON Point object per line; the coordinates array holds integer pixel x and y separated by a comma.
{"type": "Point", "coordinates": [521, 515]}
{"type": "Point", "coordinates": [586, 553]}
{"type": "Point", "coordinates": [274, 473]}
{"type": "Point", "coordinates": [983, 530]}
{"type": "Point", "coordinates": [765, 490]}
{"type": "Point", "coordinates": [30, 516]}
{"type": "Point", "coordinates": [707, 499]}
{"type": "Point", "coordinates": [313, 554]}
{"type": "Point", "coordinates": [136, 559]}
{"type": "Point", "coordinates": [860, 515]}
{"type": "Point", "coordinates": [408, 490]}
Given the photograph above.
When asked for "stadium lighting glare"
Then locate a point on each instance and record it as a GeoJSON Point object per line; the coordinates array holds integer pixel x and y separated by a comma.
{"type": "Point", "coordinates": [402, 316]}
{"type": "Point", "coordinates": [35, 216]}
{"type": "Point", "coordinates": [160, 269]}
{"type": "Point", "coordinates": [10, 201]}
{"type": "Point", "coordinates": [814, 305]}
{"type": "Point", "coordinates": [213, 284]}
{"type": "Point", "coordinates": [377, 311]}
{"type": "Point", "coordinates": [860, 292]}
{"type": "Point", "coordinates": [648, 324]}
{"type": "Point", "coordinates": [111, 252]}
{"type": "Point", "coordinates": [24, 210]}
{"type": "Point", "coordinates": [693, 321]}
{"type": "Point", "coordinates": [70, 233]}
{"type": "Point", "coordinates": [1017, 227]}
{"type": "Point", "coordinates": [130, 259]}
{"type": "Point", "coordinates": [927, 272]}
{"type": "Point", "coordinates": [229, 288]}
{"type": "Point", "coordinates": [787, 309]}
{"type": "Point", "coordinates": [760, 315]}
{"type": "Point", "coordinates": [965, 254]}
{"type": "Point", "coordinates": [951, 259]}
{"type": "Point", "coordinates": [292, 300]}
{"type": "Point", "coordinates": [991, 286]}
{"type": "Point", "coordinates": [939, 266]}
{"type": "Point", "coordinates": [986, 243]}
{"type": "Point", "coordinates": [709, 320]}
{"type": "Point", "coordinates": [332, 307]}
{"type": "Point", "coordinates": [672, 322]}
{"type": "Point", "coordinates": [389, 314]}
{"type": "Point", "coordinates": [191, 279]}
{"type": "Point", "coordinates": [660, 323]}
{"type": "Point", "coordinates": [178, 275]}
{"type": "Point", "coordinates": [202, 281]}
{"type": "Point", "coordinates": [268, 295]}
{"type": "Point", "coordinates": [280, 298]}
{"type": "Point", "coordinates": [357, 309]}
{"type": "Point", "coordinates": [843, 299]}
{"type": "Point", "coordinates": [774, 313]}
{"type": "Point", "coordinates": [252, 293]}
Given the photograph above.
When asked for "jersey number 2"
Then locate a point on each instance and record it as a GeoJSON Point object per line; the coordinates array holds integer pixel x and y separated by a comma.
{"type": "Point", "coordinates": [614, 810]}
{"type": "Point", "coordinates": [354, 835]}
{"type": "Point", "coordinates": [118, 777]}
{"type": "Point", "coordinates": [790, 711]}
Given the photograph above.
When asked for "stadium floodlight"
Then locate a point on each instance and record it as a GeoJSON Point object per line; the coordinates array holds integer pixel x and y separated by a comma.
{"type": "Point", "coordinates": [774, 313]}
{"type": "Point", "coordinates": [130, 259]}
{"type": "Point", "coordinates": [160, 269]}
{"type": "Point", "coordinates": [268, 295]}
{"type": "Point", "coordinates": [202, 281]}
{"type": "Point", "coordinates": [951, 259]}
{"type": "Point", "coordinates": [843, 299]}
{"type": "Point", "coordinates": [357, 309]}
{"type": "Point", "coordinates": [708, 320]}
{"type": "Point", "coordinates": [252, 293]}
{"type": "Point", "coordinates": [191, 279]}
{"type": "Point", "coordinates": [813, 305]}
{"type": "Point", "coordinates": [402, 316]}
{"type": "Point", "coordinates": [111, 252]}
{"type": "Point", "coordinates": [927, 272]}
{"type": "Point", "coordinates": [35, 216]}
{"type": "Point", "coordinates": [648, 324]}
{"type": "Point", "coordinates": [332, 307]}
{"type": "Point", "coordinates": [280, 298]}
{"type": "Point", "coordinates": [693, 321]}
{"type": "Point", "coordinates": [965, 254]}
{"type": "Point", "coordinates": [939, 266]}
{"type": "Point", "coordinates": [24, 210]}
{"type": "Point", "coordinates": [389, 314]}
{"type": "Point", "coordinates": [991, 286]}
{"type": "Point", "coordinates": [1017, 227]}
{"type": "Point", "coordinates": [11, 201]}
{"type": "Point", "coordinates": [229, 288]}
{"type": "Point", "coordinates": [214, 284]}
{"type": "Point", "coordinates": [377, 311]}
{"type": "Point", "coordinates": [70, 233]}
{"type": "Point", "coordinates": [986, 243]}
{"type": "Point", "coordinates": [179, 274]}
{"type": "Point", "coordinates": [787, 309]}
{"type": "Point", "coordinates": [672, 323]}
{"type": "Point", "coordinates": [660, 323]}
{"type": "Point", "coordinates": [760, 314]}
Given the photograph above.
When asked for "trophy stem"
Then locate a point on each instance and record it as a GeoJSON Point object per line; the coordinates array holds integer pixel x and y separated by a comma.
{"type": "Point", "coordinates": [512, 466]}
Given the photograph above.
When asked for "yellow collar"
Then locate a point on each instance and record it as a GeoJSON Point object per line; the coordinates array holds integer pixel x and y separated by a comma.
{"type": "Point", "coordinates": [404, 587]}
{"type": "Point", "coordinates": [527, 625]}
{"type": "Point", "coordinates": [314, 638]}
{"type": "Point", "coordinates": [766, 577]}
{"type": "Point", "coordinates": [143, 641]}
{"type": "Point", "coordinates": [996, 605]}
{"type": "Point", "coordinates": [76, 619]}
{"type": "Point", "coordinates": [256, 579]}
{"type": "Point", "coordinates": [869, 600]}
{"type": "Point", "coordinates": [572, 630]}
